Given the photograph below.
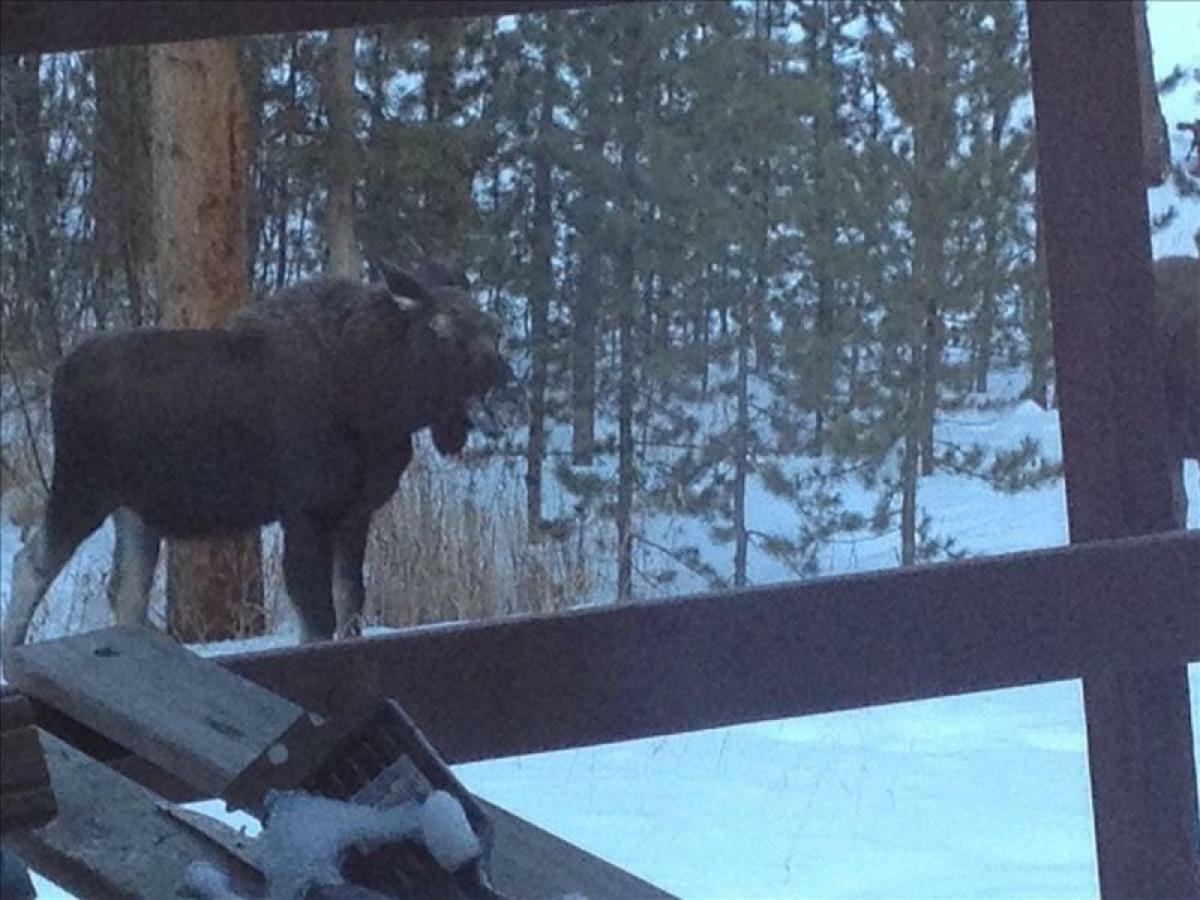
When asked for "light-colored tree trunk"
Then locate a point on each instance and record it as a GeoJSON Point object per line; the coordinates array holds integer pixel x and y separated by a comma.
{"type": "Point", "coordinates": [200, 157]}
{"type": "Point", "coordinates": [344, 259]}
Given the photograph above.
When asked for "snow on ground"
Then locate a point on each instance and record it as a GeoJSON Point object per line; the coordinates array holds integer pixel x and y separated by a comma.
{"type": "Point", "coordinates": [978, 796]}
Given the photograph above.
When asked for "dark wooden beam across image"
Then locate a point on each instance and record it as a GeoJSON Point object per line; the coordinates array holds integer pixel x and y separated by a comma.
{"type": "Point", "coordinates": [1113, 420]}
{"type": "Point", "coordinates": [485, 690]}
{"type": "Point", "coordinates": [38, 26]}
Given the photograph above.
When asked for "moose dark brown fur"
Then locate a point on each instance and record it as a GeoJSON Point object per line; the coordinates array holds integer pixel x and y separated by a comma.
{"type": "Point", "coordinates": [1177, 289]}
{"type": "Point", "coordinates": [303, 412]}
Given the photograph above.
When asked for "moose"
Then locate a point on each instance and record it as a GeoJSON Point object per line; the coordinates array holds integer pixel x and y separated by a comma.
{"type": "Point", "coordinates": [303, 411]}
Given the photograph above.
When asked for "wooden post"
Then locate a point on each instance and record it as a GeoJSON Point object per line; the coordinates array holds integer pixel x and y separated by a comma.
{"type": "Point", "coordinates": [1113, 413]}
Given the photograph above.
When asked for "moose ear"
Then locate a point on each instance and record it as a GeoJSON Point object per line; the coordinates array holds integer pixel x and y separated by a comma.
{"type": "Point", "coordinates": [407, 292]}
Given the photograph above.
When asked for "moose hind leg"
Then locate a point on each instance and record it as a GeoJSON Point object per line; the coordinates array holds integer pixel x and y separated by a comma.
{"type": "Point", "coordinates": [308, 573]}
{"type": "Point", "coordinates": [135, 557]}
{"type": "Point", "coordinates": [38, 563]}
{"type": "Point", "coordinates": [349, 594]}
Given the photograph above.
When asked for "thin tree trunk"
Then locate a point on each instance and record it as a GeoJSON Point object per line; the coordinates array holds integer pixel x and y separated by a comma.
{"type": "Point", "coordinates": [931, 146]}
{"type": "Point", "coordinates": [741, 445]}
{"type": "Point", "coordinates": [1038, 311]}
{"type": "Point", "coordinates": [583, 355]}
{"type": "Point", "coordinates": [448, 193]}
{"type": "Point", "coordinates": [908, 465]}
{"type": "Point", "coordinates": [32, 146]}
{"type": "Point", "coordinates": [539, 299]}
{"type": "Point", "coordinates": [630, 139]}
{"type": "Point", "coordinates": [930, 379]}
{"type": "Point", "coordinates": [214, 587]}
{"type": "Point", "coordinates": [626, 396]}
{"type": "Point", "coordinates": [824, 134]}
{"type": "Point", "coordinates": [985, 320]}
{"type": "Point", "coordinates": [344, 260]}
{"type": "Point", "coordinates": [122, 207]}
{"type": "Point", "coordinates": [587, 302]}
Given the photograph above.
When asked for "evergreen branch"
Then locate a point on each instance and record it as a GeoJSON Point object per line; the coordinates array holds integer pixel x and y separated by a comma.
{"type": "Point", "coordinates": [704, 571]}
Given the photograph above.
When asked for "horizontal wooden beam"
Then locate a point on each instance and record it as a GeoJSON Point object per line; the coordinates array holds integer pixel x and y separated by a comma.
{"type": "Point", "coordinates": [146, 692]}
{"type": "Point", "coordinates": [52, 26]}
{"type": "Point", "coordinates": [661, 667]}
{"type": "Point", "coordinates": [112, 838]}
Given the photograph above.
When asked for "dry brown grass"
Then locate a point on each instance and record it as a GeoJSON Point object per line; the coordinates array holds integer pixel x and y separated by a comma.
{"type": "Point", "coordinates": [452, 547]}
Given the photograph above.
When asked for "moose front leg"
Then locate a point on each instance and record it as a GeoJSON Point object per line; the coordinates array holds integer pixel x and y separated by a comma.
{"type": "Point", "coordinates": [307, 572]}
{"type": "Point", "coordinates": [349, 593]}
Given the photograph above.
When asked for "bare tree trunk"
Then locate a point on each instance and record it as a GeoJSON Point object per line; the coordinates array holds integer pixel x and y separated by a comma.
{"type": "Point", "coordinates": [1038, 314]}
{"type": "Point", "coordinates": [824, 135]}
{"type": "Point", "coordinates": [741, 443]}
{"type": "Point", "coordinates": [985, 319]}
{"type": "Point", "coordinates": [930, 377]}
{"type": "Point", "coordinates": [539, 299]}
{"type": "Point", "coordinates": [583, 357]}
{"type": "Point", "coordinates": [587, 302]}
{"type": "Point", "coordinates": [214, 587]}
{"type": "Point", "coordinates": [344, 260]}
{"type": "Point", "coordinates": [626, 395]}
{"type": "Point", "coordinates": [932, 132]}
{"type": "Point", "coordinates": [448, 192]}
{"type": "Point", "coordinates": [32, 146]}
{"type": "Point", "coordinates": [123, 207]}
{"type": "Point", "coordinates": [909, 466]}
{"type": "Point", "coordinates": [283, 198]}
{"type": "Point", "coordinates": [630, 138]}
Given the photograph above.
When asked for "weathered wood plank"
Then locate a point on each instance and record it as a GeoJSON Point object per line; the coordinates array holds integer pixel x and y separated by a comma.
{"type": "Point", "coordinates": [159, 700]}
{"type": "Point", "coordinates": [110, 838]}
{"type": "Point", "coordinates": [616, 673]}
{"type": "Point", "coordinates": [58, 25]}
{"type": "Point", "coordinates": [1113, 415]}
{"type": "Point", "coordinates": [530, 862]}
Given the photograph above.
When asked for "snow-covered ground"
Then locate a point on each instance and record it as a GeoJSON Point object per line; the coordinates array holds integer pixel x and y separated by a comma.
{"type": "Point", "coordinates": [983, 795]}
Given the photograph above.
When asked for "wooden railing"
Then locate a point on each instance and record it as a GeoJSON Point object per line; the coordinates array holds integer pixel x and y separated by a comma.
{"type": "Point", "coordinates": [616, 673]}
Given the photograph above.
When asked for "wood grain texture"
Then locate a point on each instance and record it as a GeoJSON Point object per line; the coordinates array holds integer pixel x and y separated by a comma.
{"type": "Point", "coordinates": [110, 838]}
{"type": "Point", "coordinates": [56, 25]}
{"type": "Point", "coordinates": [149, 694]}
{"type": "Point", "coordinates": [585, 677]}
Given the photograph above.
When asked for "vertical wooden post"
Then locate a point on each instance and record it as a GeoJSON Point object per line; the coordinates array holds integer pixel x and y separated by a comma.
{"type": "Point", "coordinates": [1113, 413]}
